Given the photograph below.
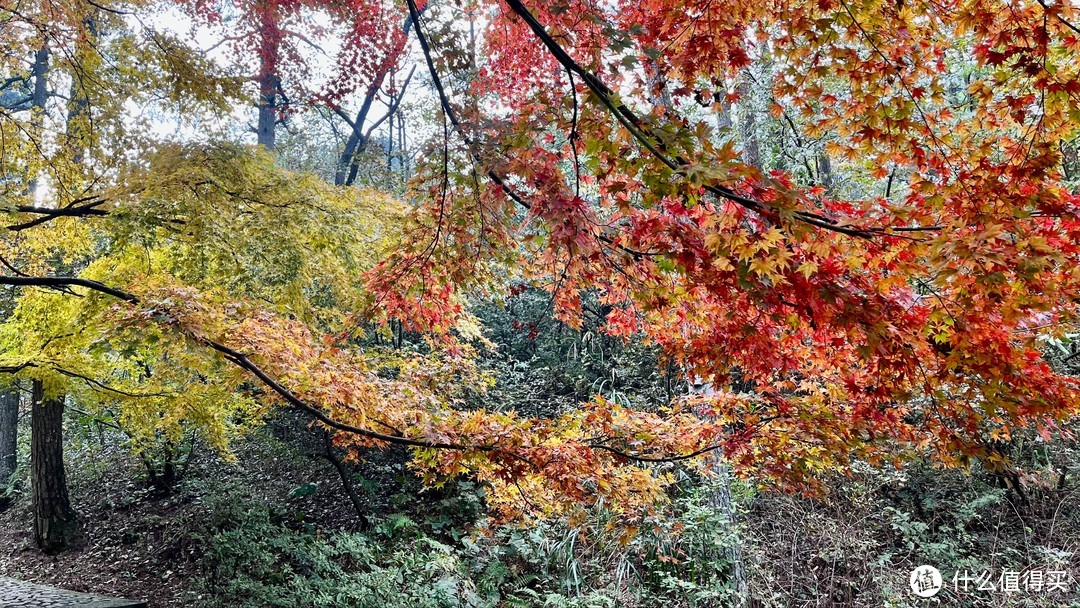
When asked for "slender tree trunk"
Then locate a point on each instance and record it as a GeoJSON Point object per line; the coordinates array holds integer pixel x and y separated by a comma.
{"type": "Point", "coordinates": [269, 83]}
{"type": "Point", "coordinates": [403, 158]}
{"type": "Point", "coordinates": [267, 116]}
{"type": "Point", "coordinates": [721, 501]}
{"type": "Point", "coordinates": [41, 67]}
{"type": "Point", "coordinates": [79, 124]}
{"type": "Point", "coordinates": [751, 146]}
{"type": "Point", "coordinates": [723, 116]}
{"type": "Point", "coordinates": [346, 477]}
{"type": "Point", "coordinates": [55, 525]}
{"type": "Point", "coordinates": [9, 435]}
{"type": "Point", "coordinates": [390, 149]}
{"type": "Point", "coordinates": [349, 161]}
{"type": "Point", "coordinates": [824, 170]}
{"type": "Point", "coordinates": [721, 497]}
{"type": "Point", "coordinates": [751, 153]}
{"type": "Point", "coordinates": [41, 96]}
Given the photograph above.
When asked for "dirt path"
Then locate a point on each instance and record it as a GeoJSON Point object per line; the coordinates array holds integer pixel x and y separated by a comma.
{"type": "Point", "coordinates": [19, 594]}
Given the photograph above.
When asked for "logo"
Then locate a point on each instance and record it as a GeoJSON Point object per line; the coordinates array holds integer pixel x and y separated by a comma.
{"type": "Point", "coordinates": [925, 581]}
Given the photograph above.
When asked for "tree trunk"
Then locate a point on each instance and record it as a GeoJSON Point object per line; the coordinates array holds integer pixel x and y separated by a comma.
{"type": "Point", "coordinates": [41, 96]}
{"type": "Point", "coordinates": [346, 479]}
{"type": "Point", "coordinates": [9, 434]}
{"type": "Point", "coordinates": [79, 122]}
{"type": "Point", "coordinates": [824, 171]}
{"type": "Point", "coordinates": [269, 82]}
{"type": "Point", "coordinates": [41, 66]}
{"type": "Point", "coordinates": [748, 136]}
{"type": "Point", "coordinates": [751, 155]}
{"type": "Point", "coordinates": [349, 161]}
{"type": "Point", "coordinates": [722, 502]}
{"type": "Point", "coordinates": [55, 525]}
{"type": "Point", "coordinates": [267, 113]}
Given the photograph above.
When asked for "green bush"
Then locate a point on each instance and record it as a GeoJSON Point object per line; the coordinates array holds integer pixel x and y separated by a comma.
{"type": "Point", "coordinates": [252, 558]}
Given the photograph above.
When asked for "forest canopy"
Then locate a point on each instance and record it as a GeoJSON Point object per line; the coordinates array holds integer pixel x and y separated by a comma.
{"type": "Point", "coordinates": [856, 221]}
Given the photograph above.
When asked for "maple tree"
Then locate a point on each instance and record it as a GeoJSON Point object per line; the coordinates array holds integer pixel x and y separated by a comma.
{"type": "Point", "coordinates": [904, 318]}
{"type": "Point", "coordinates": [868, 327]}
{"type": "Point", "coordinates": [50, 31]}
{"type": "Point", "coordinates": [85, 156]}
{"type": "Point", "coordinates": [288, 39]}
{"type": "Point", "coordinates": [159, 388]}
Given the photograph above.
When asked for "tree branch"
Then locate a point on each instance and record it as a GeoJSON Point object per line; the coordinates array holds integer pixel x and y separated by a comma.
{"type": "Point", "coordinates": [451, 115]}
{"type": "Point", "coordinates": [644, 135]}
{"type": "Point", "coordinates": [1058, 16]}
{"type": "Point", "coordinates": [242, 361]}
{"type": "Point", "coordinates": [48, 213]}
{"type": "Point", "coordinates": [657, 459]}
{"type": "Point", "coordinates": [61, 282]}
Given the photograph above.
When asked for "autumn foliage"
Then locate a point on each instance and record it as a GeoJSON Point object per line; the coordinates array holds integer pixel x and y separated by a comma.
{"type": "Point", "coordinates": [315, 51]}
{"type": "Point", "coordinates": [901, 313]}
{"type": "Point", "coordinates": [906, 322]}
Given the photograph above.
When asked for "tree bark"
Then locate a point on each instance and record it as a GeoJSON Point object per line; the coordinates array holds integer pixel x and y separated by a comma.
{"type": "Point", "coordinates": [346, 480]}
{"type": "Point", "coordinates": [9, 435]}
{"type": "Point", "coordinates": [79, 135]}
{"type": "Point", "coordinates": [41, 96]}
{"type": "Point", "coordinates": [824, 171]}
{"type": "Point", "coordinates": [55, 525]}
{"type": "Point", "coordinates": [748, 137]}
{"type": "Point", "coordinates": [722, 502]}
{"type": "Point", "coordinates": [751, 155]}
{"type": "Point", "coordinates": [348, 162]}
{"type": "Point", "coordinates": [41, 66]}
{"type": "Point", "coordinates": [269, 82]}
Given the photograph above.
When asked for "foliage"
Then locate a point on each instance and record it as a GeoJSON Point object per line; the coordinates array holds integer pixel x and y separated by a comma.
{"type": "Point", "coordinates": [872, 323]}
{"type": "Point", "coordinates": [256, 554]}
{"type": "Point", "coordinates": [291, 242]}
{"type": "Point", "coordinates": [857, 546]}
{"type": "Point", "coordinates": [543, 367]}
{"type": "Point", "coordinates": [251, 559]}
{"type": "Point", "coordinates": [900, 315]}
{"type": "Point", "coordinates": [281, 36]}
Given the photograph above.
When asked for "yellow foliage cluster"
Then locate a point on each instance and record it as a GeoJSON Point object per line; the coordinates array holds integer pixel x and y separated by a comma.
{"type": "Point", "coordinates": [218, 221]}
